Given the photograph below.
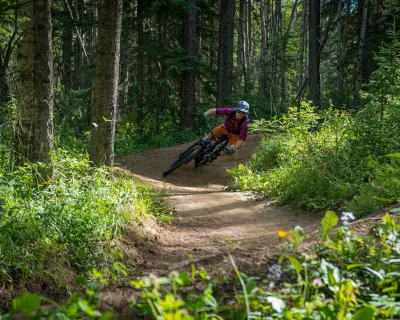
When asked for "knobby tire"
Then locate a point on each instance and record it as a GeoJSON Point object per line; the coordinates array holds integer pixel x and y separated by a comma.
{"type": "Point", "coordinates": [184, 160]}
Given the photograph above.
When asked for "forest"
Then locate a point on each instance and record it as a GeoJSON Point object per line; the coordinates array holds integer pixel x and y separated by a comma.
{"type": "Point", "coordinates": [95, 94]}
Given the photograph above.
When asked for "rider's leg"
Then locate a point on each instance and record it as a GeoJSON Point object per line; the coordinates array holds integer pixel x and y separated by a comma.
{"type": "Point", "coordinates": [233, 139]}
{"type": "Point", "coordinates": [216, 152]}
{"type": "Point", "coordinates": [218, 132]}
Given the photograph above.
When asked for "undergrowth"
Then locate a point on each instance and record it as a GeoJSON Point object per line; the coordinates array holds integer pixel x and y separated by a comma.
{"type": "Point", "coordinates": [340, 277]}
{"type": "Point", "coordinates": [72, 220]}
{"type": "Point", "coordinates": [334, 159]}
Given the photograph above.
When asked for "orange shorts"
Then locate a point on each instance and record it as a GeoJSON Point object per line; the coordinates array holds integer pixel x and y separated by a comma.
{"type": "Point", "coordinates": [220, 131]}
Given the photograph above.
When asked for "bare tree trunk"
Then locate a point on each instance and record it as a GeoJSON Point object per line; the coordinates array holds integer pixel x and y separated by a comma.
{"type": "Point", "coordinates": [339, 51]}
{"type": "Point", "coordinates": [363, 31]}
{"type": "Point", "coordinates": [78, 47]}
{"type": "Point", "coordinates": [225, 52]}
{"type": "Point", "coordinates": [264, 59]}
{"type": "Point", "coordinates": [285, 38]}
{"type": "Point", "coordinates": [243, 50]}
{"type": "Point", "coordinates": [67, 46]}
{"type": "Point", "coordinates": [25, 111]}
{"type": "Point", "coordinates": [141, 38]}
{"type": "Point", "coordinates": [274, 38]}
{"type": "Point", "coordinates": [34, 128]}
{"type": "Point", "coordinates": [162, 90]}
{"type": "Point", "coordinates": [188, 84]}
{"type": "Point", "coordinates": [213, 40]}
{"type": "Point", "coordinates": [313, 54]}
{"type": "Point", "coordinates": [303, 35]}
{"type": "Point", "coordinates": [106, 88]}
{"type": "Point", "coordinates": [4, 90]}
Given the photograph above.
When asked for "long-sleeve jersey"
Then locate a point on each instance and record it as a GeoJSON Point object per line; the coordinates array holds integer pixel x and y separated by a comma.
{"type": "Point", "coordinates": [231, 123]}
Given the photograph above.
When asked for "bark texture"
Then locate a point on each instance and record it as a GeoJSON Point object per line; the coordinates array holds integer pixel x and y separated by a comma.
{"type": "Point", "coordinates": [225, 52]}
{"type": "Point", "coordinates": [67, 46]}
{"type": "Point", "coordinates": [361, 46]}
{"type": "Point", "coordinates": [34, 129]}
{"type": "Point", "coordinates": [106, 87]}
{"type": "Point", "coordinates": [188, 85]}
{"type": "Point", "coordinates": [313, 52]}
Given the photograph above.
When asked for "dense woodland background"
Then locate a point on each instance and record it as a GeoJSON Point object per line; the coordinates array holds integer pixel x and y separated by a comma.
{"type": "Point", "coordinates": [170, 60]}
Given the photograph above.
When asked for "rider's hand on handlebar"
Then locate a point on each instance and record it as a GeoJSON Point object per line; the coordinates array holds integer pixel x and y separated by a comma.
{"type": "Point", "coordinates": [230, 151]}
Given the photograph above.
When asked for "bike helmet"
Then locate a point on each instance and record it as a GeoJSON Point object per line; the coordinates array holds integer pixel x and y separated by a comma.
{"type": "Point", "coordinates": [243, 106]}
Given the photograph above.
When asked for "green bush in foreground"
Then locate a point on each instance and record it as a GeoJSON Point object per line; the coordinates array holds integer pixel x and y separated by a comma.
{"type": "Point", "coordinates": [346, 277]}
{"type": "Point", "coordinates": [70, 221]}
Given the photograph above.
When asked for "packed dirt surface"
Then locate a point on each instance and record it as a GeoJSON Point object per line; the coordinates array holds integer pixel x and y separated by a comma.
{"type": "Point", "coordinates": [208, 221]}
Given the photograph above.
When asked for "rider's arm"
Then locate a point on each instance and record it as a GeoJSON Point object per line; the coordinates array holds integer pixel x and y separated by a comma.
{"type": "Point", "coordinates": [210, 112]}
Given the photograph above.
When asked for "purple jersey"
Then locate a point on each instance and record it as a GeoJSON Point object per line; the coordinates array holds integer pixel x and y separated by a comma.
{"type": "Point", "coordinates": [231, 124]}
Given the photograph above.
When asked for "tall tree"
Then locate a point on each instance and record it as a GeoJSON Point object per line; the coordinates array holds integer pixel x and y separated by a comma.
{"type": "Point", "coordinates": [106, 84]}
{"type": "Point", "coordinates": [188, 85]}
{"type": "Point", "coordinates": [4, 90]}
{"type": "Point", "coordinates": [67, 46]}
{"type": "Point", "coordinates": [303, 36]}
{"type": "Point", "coordinates": [24, 91]}
{"type": "Point", "coordinates": [225, 52]}
{"type": "Point", "coordinates": [244, 36]}
{"type": "Point", "coordinates": [264, 58]}
{"type": "Point", "coordinates": [339, 50]}
{"type": "Point", "coordinates": [363, 32]}
{"type": "Point", "coordinates": [35, 114]}
{"type": "Point", "coordinates": [314, 52]}
{"type": "Point", "coordinates": [141, 40]}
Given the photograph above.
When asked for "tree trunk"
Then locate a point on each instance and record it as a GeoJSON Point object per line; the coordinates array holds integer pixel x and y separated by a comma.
{"type": "Point", "coordinates": [141, 39]}
{"type": "Point", "coordinates": [188, 85]}
{"type": "Point", "coordinates": [212, 22]}
{"type": "Point", "coordinates": [274, 46]}
{"type": "Point", "coordinates": [339, 52]}
{"type": "Point", "coordinates": [78, 47]}
{"type": "Point", "coordinates": [225, 52]}
{"type": "Point", "coordinates": [264, 59]}
{"type": "Point", "coordinates": [303, 35]}
{"type": "Point", "coordinates": [106, 87]}
{"type": "Point", "coordinates": [363, 31]}
{"type": "Point", "coordinates": [313, 52]}
{"type": "Point", "coordinates": [34, 129]}
{"type": "Point", "coordinates": [67, 46]}
{"type": "Point", "coordinates": [4, 90]}
{"type": "Point", "coordinates": [244, 35]}
{"type": "Point", "coordinates": [285, 39]}
{"type": "Point", "coordinates": [24, 92]}
{"type": "Point", "coordinates": [162, 90]}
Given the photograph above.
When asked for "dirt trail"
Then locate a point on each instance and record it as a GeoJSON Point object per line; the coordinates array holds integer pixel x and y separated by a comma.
{"type": "Point", "coordinates": [205, 215]}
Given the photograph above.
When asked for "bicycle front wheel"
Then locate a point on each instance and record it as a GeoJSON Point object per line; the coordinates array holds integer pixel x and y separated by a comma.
{"type": "Point", "coordinates": [184, 160]}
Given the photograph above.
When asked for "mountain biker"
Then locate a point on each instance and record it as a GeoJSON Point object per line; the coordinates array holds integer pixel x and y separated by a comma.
{"type": "Point", "coordinates": [235, 126]}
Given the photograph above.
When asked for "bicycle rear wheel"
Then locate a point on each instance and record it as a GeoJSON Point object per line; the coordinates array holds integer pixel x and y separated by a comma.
{"type": "Point", "coordinates": [189, 156]}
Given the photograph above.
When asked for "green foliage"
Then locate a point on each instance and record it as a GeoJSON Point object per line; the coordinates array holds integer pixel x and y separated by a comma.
{"type": "Point", "coordinates": [331, 159]}
{"type": "Point", "coordinates": [75, 218]}
{"type": "Point", "coordinates": [346, 276]}
{"type": "Point", "coordinates": [307, 163]}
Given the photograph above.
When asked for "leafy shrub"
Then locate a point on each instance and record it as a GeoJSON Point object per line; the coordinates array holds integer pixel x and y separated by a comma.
{"type": "Point", "coordinates": [303, 164]}
{"type": "Point", "coordinates": [75, 217]}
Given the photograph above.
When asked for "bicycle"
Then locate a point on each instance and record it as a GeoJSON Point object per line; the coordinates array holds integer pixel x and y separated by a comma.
{"type": "Point", "coordinates": [199, 151]}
